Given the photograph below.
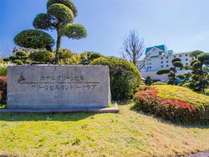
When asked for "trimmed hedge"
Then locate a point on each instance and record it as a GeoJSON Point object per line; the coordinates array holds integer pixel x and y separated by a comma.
{"type": "Point", "coordinates": [124, 77]}
{"type": "Point", "coordinates": [173, 103]}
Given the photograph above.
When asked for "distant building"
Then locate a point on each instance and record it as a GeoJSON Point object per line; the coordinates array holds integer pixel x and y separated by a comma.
{"type": "Point", "coordinates": [157, 58]}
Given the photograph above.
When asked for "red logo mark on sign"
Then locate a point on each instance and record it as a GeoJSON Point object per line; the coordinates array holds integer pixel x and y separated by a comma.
{"type": "Point", "coordinates": [21, 79]}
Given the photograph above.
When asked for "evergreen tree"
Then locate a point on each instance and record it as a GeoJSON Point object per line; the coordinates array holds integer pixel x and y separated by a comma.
{"type": "Point", "coordinates": [200, 73]}
{"type": "Point", "coordinates": [60, 16]}
{"type": "Point", "coordinates": [148, 81]}
{"type": "Point", "coordinates": [172, 71]}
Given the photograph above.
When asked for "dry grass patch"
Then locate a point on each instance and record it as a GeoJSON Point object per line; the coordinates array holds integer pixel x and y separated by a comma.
{"type": "Point", "coordinates": [98, 135]}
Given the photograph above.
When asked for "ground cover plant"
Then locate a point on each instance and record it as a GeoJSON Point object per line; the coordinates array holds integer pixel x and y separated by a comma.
{"type": "Point", "coordinates": [173, 103]}
{"type": "Point", "coordinates": [128, 133]}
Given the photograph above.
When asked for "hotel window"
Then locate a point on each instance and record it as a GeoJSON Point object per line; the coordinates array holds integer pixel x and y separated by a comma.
{"type": "Point", "coordinates": [186, 59]}
{"type": "Point", "coordinates": [161, 62]}
{"type": "Point", "coordinates": [166, 61]}
{"type": "Point", "coordinates": [167, 66]}
{"type": "Point", "coordinates": [161, 57]}
{"type": "Point", "coordinates": [186, 55]}
{"type": "Point", "coordinates": [166, 57]}
{"type": "Point", "coordinates": [162, 66]}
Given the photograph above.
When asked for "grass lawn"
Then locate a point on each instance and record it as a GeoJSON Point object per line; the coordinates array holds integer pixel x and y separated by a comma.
{"type": "Point", "coordinates": [98, 135]}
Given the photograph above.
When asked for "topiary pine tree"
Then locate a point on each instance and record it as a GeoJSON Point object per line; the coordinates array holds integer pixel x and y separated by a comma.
{"type": "Point", "coordinates": [172, 71]}
{"type": "Point", "coordinates": [148, 81]}
{"type": "Point", "coordinates": [199, 75]}
{"type": "Point", "coordinates": [60, 15]}
{"type": "Point", "coordinates": [35, 39]}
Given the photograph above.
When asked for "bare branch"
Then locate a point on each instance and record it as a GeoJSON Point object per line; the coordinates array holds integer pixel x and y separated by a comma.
{"type": "Point", "coordinates": [133, 47]}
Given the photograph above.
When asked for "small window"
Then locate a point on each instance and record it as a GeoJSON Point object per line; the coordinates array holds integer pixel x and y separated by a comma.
{"type": "Point", "coordinates": [161, 57]}
{"type": "Point", "coordinates": [162, 66]}
{"type": "Point", "coordinates": [187, 63]}
{"type": "Point", "coordinates": [186, 55]}
{"type": "Point", "coordinates": [166, 57]}
{"type": "Point", "coordinates": [167, 66]}
{"type": "Point", "coordinates": [186, 59]}
{"type": "Point", "coordinates": [166, 61]}
{"type": "Point", "coordinates": [180, 55]}
{"type": "Point", "coordinates": [161, 62]}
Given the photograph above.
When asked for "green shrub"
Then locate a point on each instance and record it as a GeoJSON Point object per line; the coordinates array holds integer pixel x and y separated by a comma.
{"type": "Point", "coordinates": [2, 61]}
{"type": "Point", "coordinates": [42, 57]}
{"type": "Point", "coordinates": [88, 57]}
{"type": "Point", "coordinates": [13, 58]}
{"type": "Point", "coordinates": [173, 103]}
{"type": "Point", "coordinates": [65, 53]}
{"type": "Point", "coordinates": [18, 62]}
{"type": "Point", "coordinates": [124, 77]}
{"type": "Point", "coordinates": [6, 59]}
{"type": "Point", "coordinates": [3, 70]}
{"type": "Point", "coordinates": [74, 60]}
{"type": "Point", "coordinates": [65, 56]}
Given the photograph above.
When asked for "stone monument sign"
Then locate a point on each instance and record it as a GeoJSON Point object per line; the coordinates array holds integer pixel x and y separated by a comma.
{"type": "Point", "coordinates": [58, 87]}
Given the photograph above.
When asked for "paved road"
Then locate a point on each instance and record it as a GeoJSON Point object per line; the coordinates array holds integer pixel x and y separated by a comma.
{"type": "Point", "coordinates": [202, 154]}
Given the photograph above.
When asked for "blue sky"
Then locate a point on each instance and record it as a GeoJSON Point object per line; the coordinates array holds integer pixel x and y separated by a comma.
{"type": "Point", "coordinates": [183, 25]}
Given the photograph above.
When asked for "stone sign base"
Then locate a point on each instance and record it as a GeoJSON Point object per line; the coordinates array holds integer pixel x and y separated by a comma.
{"type": "Point", "coordinates": [114, 109]}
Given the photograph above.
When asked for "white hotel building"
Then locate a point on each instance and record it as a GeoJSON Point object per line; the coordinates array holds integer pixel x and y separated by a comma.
{"type": "Point", "coordinates": [157, 58]}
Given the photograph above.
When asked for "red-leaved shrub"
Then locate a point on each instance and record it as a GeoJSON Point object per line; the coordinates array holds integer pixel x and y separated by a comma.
{"type": "Point", "coordinates": [170, 109]}
{"type": "Point", "coordinates": [3, 89]}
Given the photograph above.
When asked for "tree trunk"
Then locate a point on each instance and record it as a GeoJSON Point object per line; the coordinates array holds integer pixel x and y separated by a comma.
{"type": "Point", "coordinates": [134, 58]}
{"type": "Point", "coordinates": [57, 58]}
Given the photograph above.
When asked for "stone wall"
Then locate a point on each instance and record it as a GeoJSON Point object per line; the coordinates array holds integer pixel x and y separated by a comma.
{"type": "Point", "coordinates": [58, 87]}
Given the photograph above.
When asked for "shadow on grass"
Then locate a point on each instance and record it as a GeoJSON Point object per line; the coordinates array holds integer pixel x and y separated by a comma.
{"type": "Point", "coordinates": [125, 102]}
{"type": "Point", "coordinates": [200, 125]}
{"type": "Point", "coordinates": [7, 156]}
{"type": "Point", "coordinates": [44, 116]}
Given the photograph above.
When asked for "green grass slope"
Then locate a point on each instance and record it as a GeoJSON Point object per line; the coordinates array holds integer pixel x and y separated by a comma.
{"type": "Point", "coordinates": [128, 133]}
